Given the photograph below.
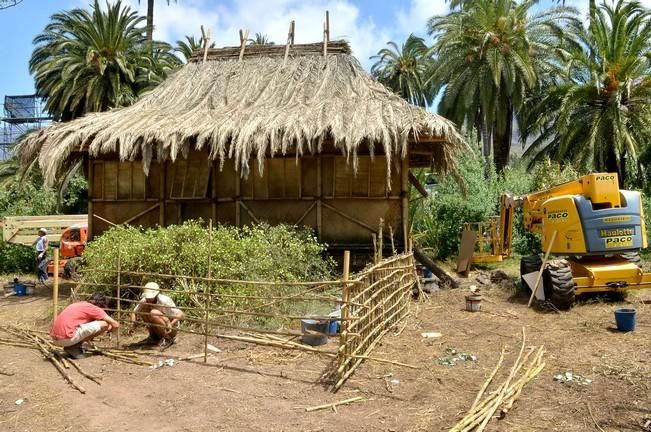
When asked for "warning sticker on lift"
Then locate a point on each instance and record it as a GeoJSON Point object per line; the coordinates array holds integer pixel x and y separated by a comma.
{"type": "Point", "coordinates": [619, 242]}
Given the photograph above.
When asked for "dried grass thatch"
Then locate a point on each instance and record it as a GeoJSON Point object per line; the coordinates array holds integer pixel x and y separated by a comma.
{"type": "Point", "coordinates": [256, 107]}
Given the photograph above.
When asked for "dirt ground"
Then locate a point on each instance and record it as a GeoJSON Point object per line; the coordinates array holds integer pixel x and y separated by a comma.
{"type": "Point", "coordinates": [248, 388]}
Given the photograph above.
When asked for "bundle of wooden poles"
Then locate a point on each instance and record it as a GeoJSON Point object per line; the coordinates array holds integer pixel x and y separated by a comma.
{"type": "Point", "coordinates": [25, 338]}
{"type": "Point", "coordinates": [499, 401]}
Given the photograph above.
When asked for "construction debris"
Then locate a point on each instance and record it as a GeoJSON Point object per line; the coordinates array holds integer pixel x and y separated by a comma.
{"type": "Point", "coordinates": [453, 356]}
{"type": "Point", "coordinates": [334, 404]}
{"type": "Point", "coordinates": [569, 377]}
{"type": "Point", "coordinates": [162, 363]}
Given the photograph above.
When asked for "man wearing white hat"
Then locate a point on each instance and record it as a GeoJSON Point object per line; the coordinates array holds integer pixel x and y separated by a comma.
{"type": "Point", "coordinates": [41, 254]}
{"type": "Point", "coordinates": [159, 313]}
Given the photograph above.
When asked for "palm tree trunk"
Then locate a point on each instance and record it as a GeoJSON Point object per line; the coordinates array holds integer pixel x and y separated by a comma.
{"type": "Point", "coordinates": [150, 20]}
{"type": "Point", "coordinates": [593, 10]}
{"type": "Point", "coordinates": [502, 141]}
{"type": "Point", "coordinates": [486, 147]}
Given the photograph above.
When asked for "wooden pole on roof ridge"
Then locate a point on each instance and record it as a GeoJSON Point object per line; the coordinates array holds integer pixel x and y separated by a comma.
{"type": "Point", "coordinates": [244, 35]}
{"type": "Point", "coordinates": [290, 41]}
{"type": "Point", "coordinates": [206, 44]}
{"type": "Point", "coordinates": [326, 33]}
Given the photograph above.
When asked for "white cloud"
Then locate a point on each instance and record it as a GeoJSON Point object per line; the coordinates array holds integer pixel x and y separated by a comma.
{"type": "Point", "coordinates": [270, 17]}
{"type": "Point", "coordinates": [414, 19]}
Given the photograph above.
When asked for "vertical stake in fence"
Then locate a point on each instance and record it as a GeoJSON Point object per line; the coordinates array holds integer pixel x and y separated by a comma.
{"type": "Point", "coordinates": [208, 297]}
{"type": "Point", "coordinates": [345, 312]}
{"type": "Point", "coordinates": [119, 282]}
{"type": "Point", "coordinates": [393, 245]}
{"type": "Point", "coordinates": [380, 239]}
{"type": "Point", "coordinates": [374, 248]}
{"type": "Point", "coordinates": [55, 286]}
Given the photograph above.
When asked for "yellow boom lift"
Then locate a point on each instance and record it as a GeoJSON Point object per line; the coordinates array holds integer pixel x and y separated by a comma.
{"type": "Point", "coordinates": [599, 231]}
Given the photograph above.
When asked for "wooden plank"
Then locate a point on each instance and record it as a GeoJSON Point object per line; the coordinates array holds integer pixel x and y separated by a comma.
{"type": "Point", "coordinates": [419, 187]}
{"type": "Point", "coordinates": [404, 193]}
{"type": "Point", "coordinates": [24, 229]}
{"type": "Point", "coordinates": [466, 251]}
{"type": "Point", "coordinates": [91, 196]}
{"type": "Point", "coordinates": [162, 194]}
{"type": "Point", "coordinates": [319, 194]}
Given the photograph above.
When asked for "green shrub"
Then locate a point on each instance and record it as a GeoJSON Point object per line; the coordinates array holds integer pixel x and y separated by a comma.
{"type": "Point", "coordinates": [260, 252]}
{"type": "Point", "coordinates": [16, 258]}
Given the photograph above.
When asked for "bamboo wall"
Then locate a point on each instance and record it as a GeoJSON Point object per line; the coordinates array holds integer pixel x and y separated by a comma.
{"type": "Point", "coordinates": [321, 191]}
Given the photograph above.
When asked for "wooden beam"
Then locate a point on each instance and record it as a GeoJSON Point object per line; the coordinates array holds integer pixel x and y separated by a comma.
{"type": "Point", "coordinates": [91, 183]}
{"type": "Point", "coordinates": [162, 184]}
{"type": "Point", "coordinates": [415, 183]}
{"type": "Point", "coordinates": [142, 213]}
{"type": "Point", "coordinates": [238, 181]}
{"type": "Point", "coordinates": [319, 195]}
{"type": "Point", "coordinates": [213, 192]}
{"type": "Point", "coordinates": [404, 194]}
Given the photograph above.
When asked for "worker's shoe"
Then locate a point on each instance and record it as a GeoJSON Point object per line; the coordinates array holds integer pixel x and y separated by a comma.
{"type": "Point", "coordinates": [74, 351]}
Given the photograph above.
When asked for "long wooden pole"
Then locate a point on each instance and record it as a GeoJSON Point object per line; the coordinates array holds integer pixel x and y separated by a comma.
{"type": "Point", "coordinates": [119, 267]}
{"type": "Point", "coordinates": [345, 312]}
{"type": "Point", "coordinates": [55, 286]}
{"type": "Point", "coordinates": [542, 268]}
{"type": "Point", "coordinates": [206, 315]}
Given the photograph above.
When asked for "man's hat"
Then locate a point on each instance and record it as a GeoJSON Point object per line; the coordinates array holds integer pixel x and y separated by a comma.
{"type": "Point", "coordinates": [43, 230]}
{"type": "Point", "coordinates": [151, 290]}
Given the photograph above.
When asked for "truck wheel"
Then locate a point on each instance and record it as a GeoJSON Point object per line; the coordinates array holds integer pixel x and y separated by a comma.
{"type": "Point", "coordinates": [559, 284]}
{"type": "Point", "coordinates": [632, 257]}
{"type": "Point", "coordinates": [70, 269]}
{"type": "Point", "coordinates": [529, 264]}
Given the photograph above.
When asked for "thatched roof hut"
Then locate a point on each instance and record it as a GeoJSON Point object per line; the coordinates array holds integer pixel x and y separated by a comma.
{"type": "Point", "coordinates": [241, 112]}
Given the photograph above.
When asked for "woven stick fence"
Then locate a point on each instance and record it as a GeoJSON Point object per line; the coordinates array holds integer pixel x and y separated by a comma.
{"type": "Point", "coordinates": [269, 313]}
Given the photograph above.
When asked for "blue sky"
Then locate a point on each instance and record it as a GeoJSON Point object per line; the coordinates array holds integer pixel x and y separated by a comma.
{"type": "Point", "coordinates": [368, 24]}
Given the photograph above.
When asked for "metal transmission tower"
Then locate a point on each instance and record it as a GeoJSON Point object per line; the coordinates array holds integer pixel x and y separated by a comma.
{"type": "Point", "coordinates": [20, 114]}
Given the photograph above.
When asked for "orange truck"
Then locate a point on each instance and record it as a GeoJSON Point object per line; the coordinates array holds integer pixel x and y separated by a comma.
{"type": "Point", "coordinates": [67, 232]}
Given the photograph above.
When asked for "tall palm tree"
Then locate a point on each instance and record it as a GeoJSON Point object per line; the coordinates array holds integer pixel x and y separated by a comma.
{"type": "Point", "coordinates": [150, 18]}
{"type": "Point", "coordinates": [188, 47]}
{"type": "Point", "coordinates": [489, 55]}
{"type": "Point", "coordinates": [94, 60]}
{"type": "Point", "coordinates": [599, 114]}
{"type": "Point", "coordinates": [404, 69]}
{"type": "Point", "coordinates": [260, 39]}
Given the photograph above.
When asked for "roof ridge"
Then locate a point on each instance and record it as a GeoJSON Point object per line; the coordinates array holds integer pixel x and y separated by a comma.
{"type": "Point", "coordinates": [229, 53]}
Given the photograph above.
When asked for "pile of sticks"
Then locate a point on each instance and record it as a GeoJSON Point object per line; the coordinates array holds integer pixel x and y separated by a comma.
{"type": "Point", "coordinates": [25, 338]}
{"type": "Point", "coordinates": [526, 367]}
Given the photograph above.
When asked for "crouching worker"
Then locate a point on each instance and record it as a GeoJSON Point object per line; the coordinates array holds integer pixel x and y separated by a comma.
{"type": "Point", "coordinates": [160, 314]}
{"type": "Point", "coordinates": [81, 322]}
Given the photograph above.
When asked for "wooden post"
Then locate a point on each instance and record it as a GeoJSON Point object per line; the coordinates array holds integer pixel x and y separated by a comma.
{"type": "Point", "coordinates": [208, 297]}
{"type": "Point", "coordinates": [206, 45]}
{"type": "Point", "coordinates": [91, 182]}
{"type": "Point", "coordinates": [290, 41]}
{"type": "Point", "coordinates": [326, 33]}
{"type": "Point", "coordinates": [345, 311]}
{"type": "Point", "coordinates": [55, 286]}
{"type": "Point", "coordinates": [374, 236]}
{"type": "Point", "coordinates": [238, 181]}
{"type": "Point", "coordinates": [542, 267]}
{"type": "Point", "coordinates": [404, 192]}
{"type": "Point", "coordinates": [380, 240]}
{"type": "Point", "coordinates": [319, 197]}
{"type": "Point", "coordinates": [162, 184]}
{"type": "Point", "coordinates": [243, 37]}
{"type": "Point", "coordinates": [393, 245]}
{"type": "Point", "coordinates": [119, 312]}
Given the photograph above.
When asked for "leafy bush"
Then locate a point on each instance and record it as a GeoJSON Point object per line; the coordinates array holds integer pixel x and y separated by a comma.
{"type": "Point", "coordinates": [255, 253]}
{"type": "Point", "coordinates": [16, 258]}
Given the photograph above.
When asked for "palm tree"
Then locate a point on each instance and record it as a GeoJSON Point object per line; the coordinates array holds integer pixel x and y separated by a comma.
{"type": "Point", "coordinates": [188, 47]}
{"type": "Point", "coordinates": [599, 114]}
{"type": "Point", "coordinates": [150, 18]}
{"type": "Point", "coordinates": [260, 39]}
{"type": "Point", "coordinates": [94, 60]}
{"type": "Point", "coordinates": [5, 4]}
{"type": "Point", "coordinates": [405, 70]}
{"type": "Point", "coordinates": [489, 55]}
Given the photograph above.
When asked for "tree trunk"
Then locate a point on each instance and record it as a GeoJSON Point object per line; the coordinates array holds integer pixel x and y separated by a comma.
{"type": "Point", "coordinates": [150, 20]}
{"type": "Point", "coordinates": [486, 139]}
{"type": "Point", "coordinates": [593, 10]}
{"type": "Point", "coordinates": [502, 141]}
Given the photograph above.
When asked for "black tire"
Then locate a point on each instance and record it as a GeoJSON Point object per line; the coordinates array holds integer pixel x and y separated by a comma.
{"type": "Point", "coordinates": [559, 285]}
{"type": "Point", "coordinates": [632, 257]}
{"type": "Point", "coordinates": [70, 268]}
{"type": "Point", "coordinates": [529, 264]}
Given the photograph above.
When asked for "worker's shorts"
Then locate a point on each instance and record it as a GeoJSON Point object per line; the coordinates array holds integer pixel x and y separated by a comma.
{"type": "Point", "coordinates": [83, 331]}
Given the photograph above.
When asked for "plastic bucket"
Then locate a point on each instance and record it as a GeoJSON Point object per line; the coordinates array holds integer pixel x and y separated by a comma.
{"type": "Point", "coordinates": [473, 303]}
{"type": "Point", "coordinates": [315, 326]}
{"type": "Point", "coordinates": [333, 327]}
{"type": "Point", "coordinates": [625, 319]}
{"type": "Point", "coordinates": [20, 289]}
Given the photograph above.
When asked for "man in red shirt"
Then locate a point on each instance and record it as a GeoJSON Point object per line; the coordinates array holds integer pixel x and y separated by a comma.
{"type": "Point", "coordinates": [81, 322]}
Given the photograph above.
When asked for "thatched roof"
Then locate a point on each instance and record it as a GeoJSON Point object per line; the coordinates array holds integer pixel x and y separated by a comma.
{"type": "Point", "coordinates": [255, 107]}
